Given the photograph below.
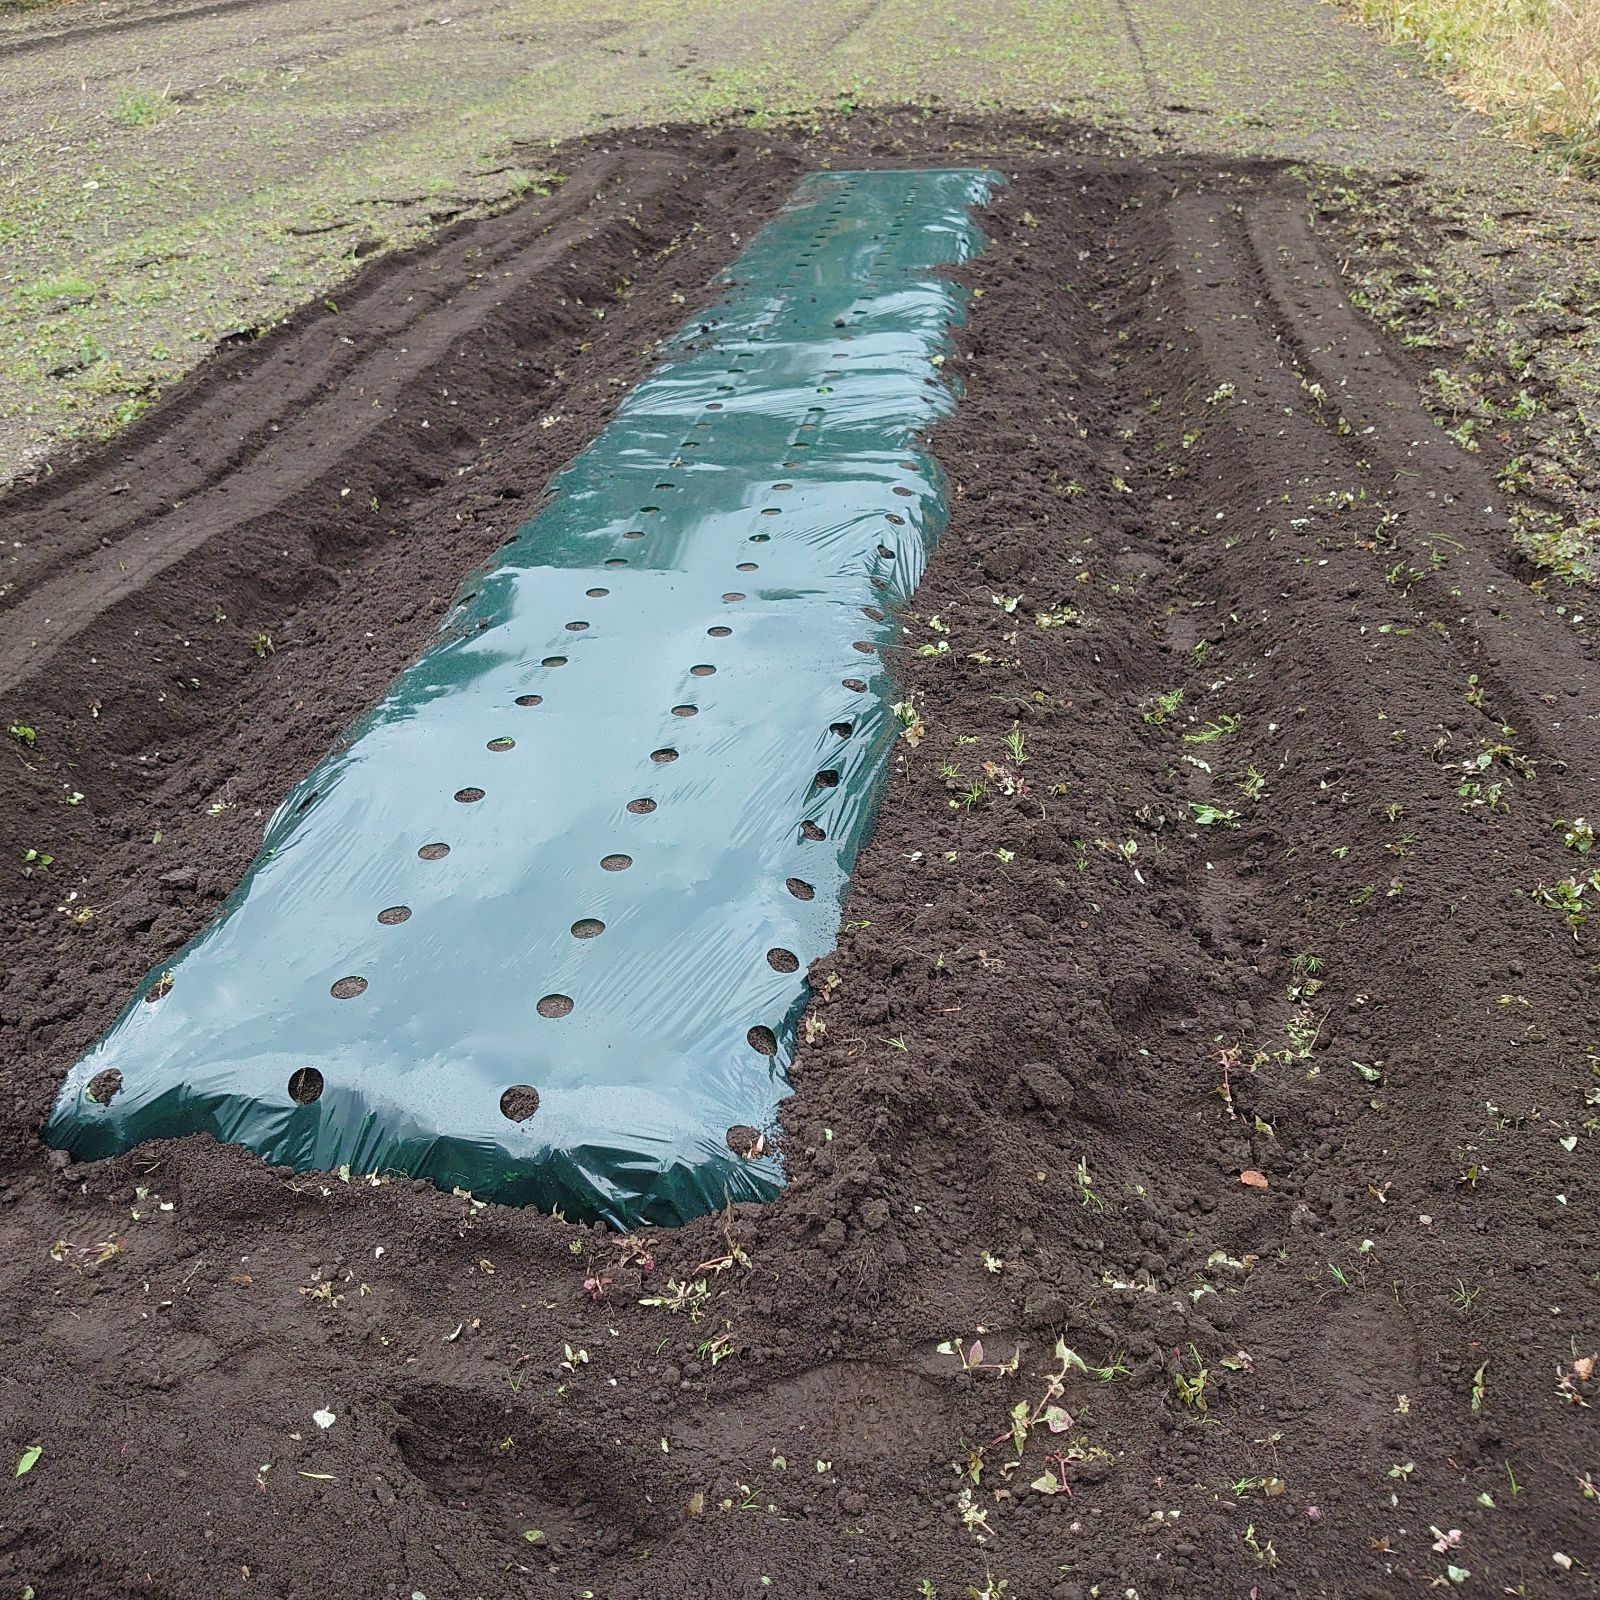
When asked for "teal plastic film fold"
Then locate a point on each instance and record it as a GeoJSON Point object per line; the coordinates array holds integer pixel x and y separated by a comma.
{"type": "Point", "coordinates": [539, 927]}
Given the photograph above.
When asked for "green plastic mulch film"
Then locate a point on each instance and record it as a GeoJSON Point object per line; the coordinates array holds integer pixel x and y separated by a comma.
{"type": "Point", "coordinates": [539, 928]}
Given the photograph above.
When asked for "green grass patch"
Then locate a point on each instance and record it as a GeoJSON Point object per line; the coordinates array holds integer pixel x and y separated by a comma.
{"type": "Point", "coordinates": [1532, 64]}
{"type": "Point", "coordinates": [138, 108]}
{"type": "Point", "coordinates": [64, 286]}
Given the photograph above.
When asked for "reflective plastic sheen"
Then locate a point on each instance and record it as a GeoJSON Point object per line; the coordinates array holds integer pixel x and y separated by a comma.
{"type": "Point", "coordinates": [539, 926]}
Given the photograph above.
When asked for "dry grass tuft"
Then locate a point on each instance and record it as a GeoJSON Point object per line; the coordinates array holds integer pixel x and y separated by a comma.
{"type": "Point", "coordinates": [1532, 64]}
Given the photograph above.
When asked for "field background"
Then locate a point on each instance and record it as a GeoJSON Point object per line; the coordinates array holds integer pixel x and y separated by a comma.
{"type": "Point", "coordinates": [174, 175]}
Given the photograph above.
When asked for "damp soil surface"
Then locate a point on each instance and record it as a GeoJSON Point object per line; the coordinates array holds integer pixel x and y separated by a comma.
{"type": "Point", "coordinates": [1191, 1177]}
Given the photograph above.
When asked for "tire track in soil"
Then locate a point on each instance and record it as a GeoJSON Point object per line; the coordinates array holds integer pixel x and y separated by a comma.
{"type": "Point", "coordinates": [1023, 1049]}
{"type": "Point", "coordinates": [1471, 626]}
{"type": "Point", "coordinates": [1389, 426]}
{"type": "Point", "coordinates": [836, 36]}
{"type": "Point", "coordinates": [1153, 99]}
{"type": "Point", "coordinates": [1362, 715]}
{"type": "Point", "coordinates": [311, 430]}
{"type": "Point", "coordinates": [1466, 611]}
{"type": "Point", "coordinates": [153, 17]}
{"type": "Point", "coordinates": [32, 99]}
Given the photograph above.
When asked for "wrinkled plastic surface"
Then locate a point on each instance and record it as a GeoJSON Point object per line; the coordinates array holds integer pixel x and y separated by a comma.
{"type": "Point", "coordinates": [683, 625]}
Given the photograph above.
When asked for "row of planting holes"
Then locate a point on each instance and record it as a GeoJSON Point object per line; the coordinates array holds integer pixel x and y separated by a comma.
{"type": "Point", "coordinates": [761, 1038]}
{"type": "Point", "coordinates": [521, 1101]}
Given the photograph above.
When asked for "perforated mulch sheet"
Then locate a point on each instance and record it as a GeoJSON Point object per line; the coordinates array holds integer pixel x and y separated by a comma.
{"type": "Point", "coordinates": [539, 926]}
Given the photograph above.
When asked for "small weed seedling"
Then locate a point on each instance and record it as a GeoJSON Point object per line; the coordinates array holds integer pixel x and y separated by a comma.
{"type": "Point", "coordinates": [1003, 778]}
{"type": "Point", "coordinates": [1192, 1390]}
{"type": "Point", "coordinates": [1567, 897]}
{"type": "Point", "coordinates": [681, 1295]}
{"type": "Point", "coordinates": [137, 108]}
{"type": "Point", "coordinates": [93, 1254]}
{"type": "Point", "coordinates": [1158, 708]}
{"type": "Point", "coordinates": [717, 1348]}
{"type": "Point", "coordinates": [911, 725]}
{"type": "Point", "coordinates": [1575, 835]}
{"type": "Point", "coordinates": [1307, 968]}
{"type": "Point", "coordinates": [1084, 1184]}
{"type": "Point", "coordinates": [971, 1357]}
{"type": "Point", "coordinates": [1220, 728]}
{"type": "Point", "coordinates": [630, 1253]}
{"type": "Point", "coordinates": [1232, 1060]}
{"type": "Point", "coordinates": [734, 1255]}
{"type": "Point", "coordinates": [1047, 1410]}
{"type": "Point", "coordinates": [1058, 616]}
{"type": "Point", "coordinates": [1127, 849]}
{"type": "Point", "coordinates": [1265, 1555]}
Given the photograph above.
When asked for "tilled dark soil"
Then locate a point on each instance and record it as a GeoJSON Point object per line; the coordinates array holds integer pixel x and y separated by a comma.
{"type": "Point", "coordinates": [1194, 1008]}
